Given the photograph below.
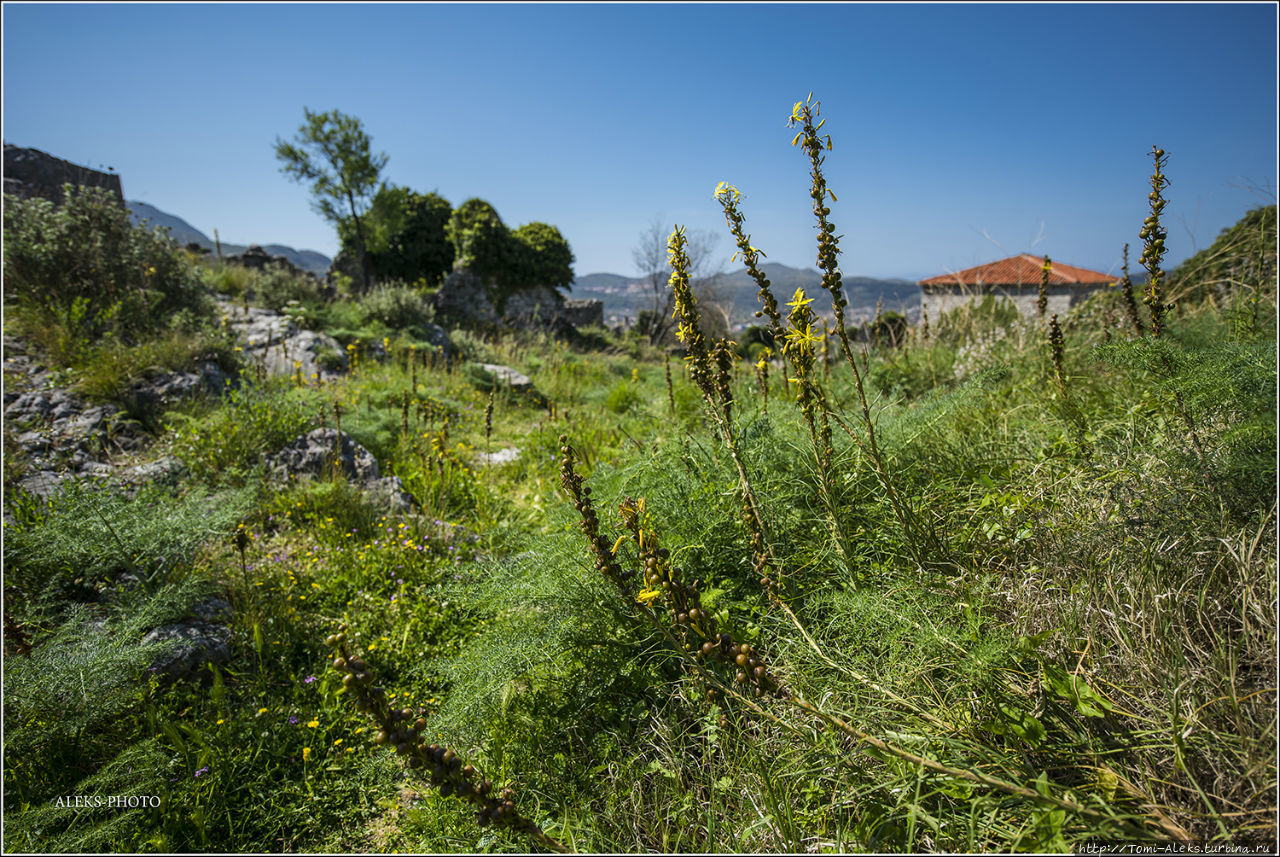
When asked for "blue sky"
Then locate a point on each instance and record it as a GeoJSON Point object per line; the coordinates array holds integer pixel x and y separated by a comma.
{"type": "Point", "coordinates": [962, 133]}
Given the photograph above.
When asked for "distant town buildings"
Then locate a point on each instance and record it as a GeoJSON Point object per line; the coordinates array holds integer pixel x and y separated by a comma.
{"type": "Point", "coordinates": [1016, 278]}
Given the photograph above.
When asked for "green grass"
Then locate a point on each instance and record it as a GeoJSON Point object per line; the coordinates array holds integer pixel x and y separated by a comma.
{"type": "Point", "coordinates": [1037, 614]}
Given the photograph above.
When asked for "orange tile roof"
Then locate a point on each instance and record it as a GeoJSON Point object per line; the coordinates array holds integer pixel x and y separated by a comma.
{"type": "Point", "coordinates": [1023, 269]}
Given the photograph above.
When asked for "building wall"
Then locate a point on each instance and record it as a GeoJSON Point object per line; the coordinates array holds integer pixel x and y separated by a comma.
{"type": "Point", "coordinates": [31, 172]}
{"type": "Point", "coordinates": [939, 299]}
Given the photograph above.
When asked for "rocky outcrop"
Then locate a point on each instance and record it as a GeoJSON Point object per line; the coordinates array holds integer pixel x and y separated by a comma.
{"type": "Point", "coordinates": [257, 259]}
{"type": "Point", "coordinates": [277, 345]}
{"type": "Point", "coordinates": [463, 296]}
{"type": "Point", "coordinates": [317, 454]}
{"type": "Point", "coordinates": [61, 436]}
{"type": "Point", "coordinates": [203, 637]}
{"type": "Point", "coordinates": [33, 173]}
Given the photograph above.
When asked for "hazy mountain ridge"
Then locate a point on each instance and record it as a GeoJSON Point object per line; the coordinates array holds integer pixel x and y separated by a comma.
{"type": "Point", "coordinates": [626, 296]}
{"type": "Point", "coordinates": [184, 233]}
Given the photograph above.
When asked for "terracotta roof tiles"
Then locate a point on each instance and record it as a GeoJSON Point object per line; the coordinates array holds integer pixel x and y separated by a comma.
{"type": "Point", "coordinates": [1023, 269]}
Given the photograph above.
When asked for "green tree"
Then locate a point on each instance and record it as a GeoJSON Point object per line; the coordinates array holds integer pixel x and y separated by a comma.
{"type": "Point", "coordinates": [481, 241]}
{"type": "Point", "coordinates": [332, 152]}
{"type": "Point", "coordinates": [543, 257]}
{"type": "Point", "coordinates": [406, 236]}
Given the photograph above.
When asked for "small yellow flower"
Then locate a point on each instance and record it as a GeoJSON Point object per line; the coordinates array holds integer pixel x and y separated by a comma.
{"type": "Point", "coordinates": [263, 710]}
{"type": "Point", "coordinates": [313, 724]}
{"type": "Point", "coordinates": [306, 753]}
{"type": "Point", "coordinates": [220, 722]}
{"type": "Point", "coordinates": [799, 299]}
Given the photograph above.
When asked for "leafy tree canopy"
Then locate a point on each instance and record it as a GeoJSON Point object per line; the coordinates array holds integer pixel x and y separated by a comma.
{"type": "Point", "coordinates": [406, 236]}
{"type": "Point", "coordinates": [332, 152]}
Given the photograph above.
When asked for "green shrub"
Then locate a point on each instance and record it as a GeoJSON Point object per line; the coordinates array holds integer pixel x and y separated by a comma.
{"type": "Point", "coordinates": [399, 307]}
{"type": "Point", "coordinates": [84, 268]}
{"type": "Point", "coordinates": [278, 286]}
{"type": "Point", "coordinates": [221, 446]}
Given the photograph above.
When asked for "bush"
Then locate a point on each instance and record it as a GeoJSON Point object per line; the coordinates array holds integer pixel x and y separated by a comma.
{"type": "Point", "coordinates": [85, 268]}
{"type": "Point", "coordinates": [398, 306]}
{"type": "Point", "coordinates": [277, 286]}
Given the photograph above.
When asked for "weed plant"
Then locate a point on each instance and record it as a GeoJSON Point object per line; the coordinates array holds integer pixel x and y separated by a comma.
{"type": "Point", "coordinates": [1009, 590]}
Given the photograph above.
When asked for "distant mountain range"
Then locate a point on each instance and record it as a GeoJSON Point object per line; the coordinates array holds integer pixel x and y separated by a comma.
{"type": "Point", "coordinates": [624, 297]}
{"type": "Point", "coordinates": [184, 233]}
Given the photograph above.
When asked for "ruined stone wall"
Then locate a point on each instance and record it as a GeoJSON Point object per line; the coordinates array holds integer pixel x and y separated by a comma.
{"type": "Point", "coordinates": [939, 299]}
{"type": "Point", "coordinates": [31, 172]}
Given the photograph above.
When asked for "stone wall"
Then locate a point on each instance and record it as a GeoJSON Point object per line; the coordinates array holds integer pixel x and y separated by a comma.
{"type": "Point", "coordinates": [31, 172]}
{"type": "Point", "coordinates": [939, 299]}
{"type": "Point", "coordinates": [463, 297]}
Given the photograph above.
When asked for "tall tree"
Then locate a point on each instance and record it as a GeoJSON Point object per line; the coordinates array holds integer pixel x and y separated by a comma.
{"type": "Point", "coordinates": [650, 256]}
{"type": "Point", "coordinates": [332, 152]}
{"type": "Point", "coordinates": [405, 236]}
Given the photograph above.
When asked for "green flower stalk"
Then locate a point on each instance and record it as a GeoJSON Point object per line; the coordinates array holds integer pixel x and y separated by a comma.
{"type": "Point", "coordinates": [671, 393]}
{"type": "Point", "coordinates": [729, 197]}
{"type": "Point", "coordinates": [402, 729]}
{"type": "Point", "coordinates": [606, 564]}
{"type": "Point", "coordinates": [689, 330]}
{"type": "Point", "coordinates": [1126, 289]}
{"type": "Point", "coordinates": [1057, 347]}
{"type": "Point", "coordinates": [803, 114]}
{"type": "Point", "coordinates": [711, 376]}
{"type": "Point", "coordinates": [1153, 236]}
{"type": "Point", "coordinates": [696, 629]}
{"type": "Point", "coordinates": [1042, 300]}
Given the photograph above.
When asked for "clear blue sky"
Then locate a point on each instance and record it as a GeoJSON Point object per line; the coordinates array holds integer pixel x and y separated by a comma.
{"type": "Point", "coordinates": [949, 121]}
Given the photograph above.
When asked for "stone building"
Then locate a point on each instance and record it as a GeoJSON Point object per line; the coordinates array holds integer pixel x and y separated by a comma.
{"type": "Point", "coordinates": [31, 172]}
{"type": "Point", "coordinates": [1016, 278]}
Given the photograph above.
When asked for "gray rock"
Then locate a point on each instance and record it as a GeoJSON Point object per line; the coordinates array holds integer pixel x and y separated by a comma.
{"type": "Point", "coordinates": [165, 470]}
{"type": "Point", "coordinates": [190, 646]}
{"type": "Point", "coordinates": [502, 456]}
{"type": "Point", "coordinates": [313, 455]}
{"type": "Point", "coordinates": [438, 337]}
{"type": "Point", "coordinates": [506, 376]}
{"type": "Point", "coordinates": [44, 483]}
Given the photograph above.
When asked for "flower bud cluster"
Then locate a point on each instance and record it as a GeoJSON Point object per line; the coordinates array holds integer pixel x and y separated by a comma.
{"type": "Point", "coordinates": [401, 729]}
{"type": "Point", "coordinates": [1153, 236]}
{"type": "Point", "coordinates": [723, 357]}
{"type": "Point", "coordinates": [686, 308]}
{"type": "Point", "coordinates": [1058, 346]}
{"type": "Point", "coordinates": [1126, 289]}
{"type": "Point", "coordinates": [729, 196]}
{"type": "Point", "coordinates": [1042, 300]}
{"type": "Point", "coordinates": [694, 626]}
{"type": "Point", "coordinates": [803, 114]}
{"type": "Point", "coordinates": [581, 494]}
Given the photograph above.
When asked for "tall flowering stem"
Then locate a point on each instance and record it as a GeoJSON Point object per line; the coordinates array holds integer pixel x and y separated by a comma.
{"type": "Point", "coordinates": [572, 483]}
{"type": "Point", "coordinates": [799, 344]}
{"type": "Point", "coordinates": [814, 145]}
{"type": "Point", "coordinates": [1153, 236]}
{"type": "Point", "coordinates": [710, 373]}
{"type": "Point", "coordinates": [695, 629]}
{"type": "Point", "coordinates": [1042, 300]}
{"type": "Point", "coordinates": [1057, 346]}
{"type": "Point", "coordinates": [1126, 290]}
{"type": "Point", "coordinates": [402, 728]}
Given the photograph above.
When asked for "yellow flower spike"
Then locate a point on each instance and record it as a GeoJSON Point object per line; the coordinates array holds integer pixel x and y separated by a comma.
{"type": "Point", "coordinates": [306, 753]}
